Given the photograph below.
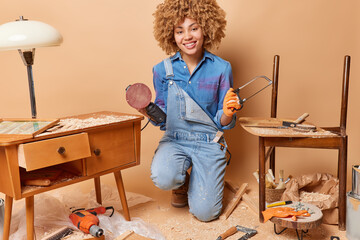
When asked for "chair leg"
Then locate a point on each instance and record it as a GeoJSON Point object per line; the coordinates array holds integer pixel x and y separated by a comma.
{"type": "Point", "coordinates": [261, 178]}
{"type": "Point", "coordinates": [272, 161]}
{"type": "Point", "coordinates": [342, 165]}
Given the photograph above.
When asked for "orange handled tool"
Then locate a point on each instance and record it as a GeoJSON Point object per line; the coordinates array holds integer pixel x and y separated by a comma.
{"type": "Point", "coordinates": [87, 220]}
{"type": "Point", "coordinates": [248, 232]}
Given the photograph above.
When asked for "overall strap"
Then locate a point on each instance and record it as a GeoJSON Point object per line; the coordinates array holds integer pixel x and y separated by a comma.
{"type": "Point", "coordinates": [168, 68]}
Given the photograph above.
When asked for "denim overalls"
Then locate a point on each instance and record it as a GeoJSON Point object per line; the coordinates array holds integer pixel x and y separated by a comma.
{"type": "Point", "coordinates": [188, 141]}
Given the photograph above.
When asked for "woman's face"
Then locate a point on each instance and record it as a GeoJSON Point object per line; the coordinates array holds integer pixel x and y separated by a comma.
{"type": "Point", "coordinates": [189, 37]}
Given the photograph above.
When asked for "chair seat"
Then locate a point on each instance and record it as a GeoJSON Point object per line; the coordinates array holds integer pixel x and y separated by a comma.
{"type": "Point", "coordinates": [271, 127]}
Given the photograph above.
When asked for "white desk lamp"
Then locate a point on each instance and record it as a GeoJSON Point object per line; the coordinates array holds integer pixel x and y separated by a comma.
{"type": "Point", "coordinates": [25, 35]}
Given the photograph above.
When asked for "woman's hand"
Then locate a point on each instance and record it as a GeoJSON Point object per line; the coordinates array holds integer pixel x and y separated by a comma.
{"type": "Point", "coordinates": [231, 103]}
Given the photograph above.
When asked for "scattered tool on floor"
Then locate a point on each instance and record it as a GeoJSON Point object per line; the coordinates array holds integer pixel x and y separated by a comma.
{"type": "Point", "coordinates": [59, 234]}
{"type": "Point", "coordinates": [248, 232]}
{"type": "Point", "coordinates": [87, 220]}
{"type": "Point", "coordinates": [278, 204]}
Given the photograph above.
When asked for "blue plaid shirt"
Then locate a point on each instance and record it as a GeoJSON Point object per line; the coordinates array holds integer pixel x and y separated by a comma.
{"type": "Point", "coordinates": [207, 85]}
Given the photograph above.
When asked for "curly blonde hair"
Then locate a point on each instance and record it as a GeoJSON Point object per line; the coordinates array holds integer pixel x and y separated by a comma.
{"type": "Point", "coordinates": [207, 13]}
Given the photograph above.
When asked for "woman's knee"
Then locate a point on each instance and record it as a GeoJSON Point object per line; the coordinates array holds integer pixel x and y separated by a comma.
{"type": "Point", "coordinates": [206, 212]}
{"type": "Point", "coordinates": [165, 180]}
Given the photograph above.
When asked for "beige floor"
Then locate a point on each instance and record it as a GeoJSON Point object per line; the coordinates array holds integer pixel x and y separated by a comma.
{"type": "Point", "coordinates": [179, 224]}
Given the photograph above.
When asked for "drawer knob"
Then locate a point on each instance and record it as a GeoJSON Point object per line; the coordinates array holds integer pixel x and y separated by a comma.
{"type": "Point", "coordinates": [97, 152]}
{"type": "Point", "coordinates": [61, 150]}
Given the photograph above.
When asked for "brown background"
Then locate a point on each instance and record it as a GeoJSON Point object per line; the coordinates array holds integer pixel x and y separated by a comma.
{"type": "Point", "coordinates": [109, 45]}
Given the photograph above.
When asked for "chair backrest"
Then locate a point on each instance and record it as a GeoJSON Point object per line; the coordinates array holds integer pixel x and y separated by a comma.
{"type": "Point", "coordinates": [345, 94]}
{"type": "Point", "coordinates": [344, 98]}
{"type": "Point", "coordinates": [274, 93]}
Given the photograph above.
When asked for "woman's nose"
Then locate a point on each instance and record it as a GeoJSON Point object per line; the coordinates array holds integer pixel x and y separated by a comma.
{"type": "Point", "coordinates": [188, 35]}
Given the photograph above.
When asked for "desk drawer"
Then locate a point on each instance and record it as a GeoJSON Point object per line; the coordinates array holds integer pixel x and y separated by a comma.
{"type": "Point", "coordinates": [54, 151]}
{"type": "Point", "coordinates": [111, 148]}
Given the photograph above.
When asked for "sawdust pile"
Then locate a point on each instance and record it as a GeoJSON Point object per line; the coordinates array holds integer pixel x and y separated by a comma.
{"type": "Point", "coordinates": [313, 196]}
{"type": "Point", "coordinates": [69, 124]}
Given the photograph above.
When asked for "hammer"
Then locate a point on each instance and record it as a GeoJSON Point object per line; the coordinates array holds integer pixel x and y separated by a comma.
{"type": "Point", "coordinates": [248, 232]}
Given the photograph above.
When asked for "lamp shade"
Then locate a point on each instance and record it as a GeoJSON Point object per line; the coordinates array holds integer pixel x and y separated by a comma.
{"type": "Point", "coordinates": [28, 34]}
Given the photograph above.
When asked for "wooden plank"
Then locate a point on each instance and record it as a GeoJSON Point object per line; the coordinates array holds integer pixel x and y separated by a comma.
{"type": "Point", "coordinates": [234, 202]}
{"type": "Point", "coordinates": [245, 197]}
{"type": "Point", "coordinates": [251, 203]}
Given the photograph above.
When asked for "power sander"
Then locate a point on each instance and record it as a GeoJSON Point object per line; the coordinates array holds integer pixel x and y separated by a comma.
{"type": "Point", "coordinates": [138, 96]}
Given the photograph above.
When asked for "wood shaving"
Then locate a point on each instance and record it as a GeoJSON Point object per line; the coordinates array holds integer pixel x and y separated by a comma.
{"type": "Point", "coordinates": [313, 196]}
{"type": "Point", "coordinates": [69, 124]}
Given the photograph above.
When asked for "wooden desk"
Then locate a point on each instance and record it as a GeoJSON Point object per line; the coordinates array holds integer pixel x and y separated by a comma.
{"type": "Point", "coordinates": [80, 154]}
{"type": "Point", "coordinates": [323, 138]}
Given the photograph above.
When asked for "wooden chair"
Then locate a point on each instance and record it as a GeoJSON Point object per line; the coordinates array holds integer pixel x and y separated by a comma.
{"type": "Point", "coordinates": [338, 142]}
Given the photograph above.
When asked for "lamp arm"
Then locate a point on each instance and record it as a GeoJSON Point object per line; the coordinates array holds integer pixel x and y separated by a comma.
{"type": "Point", "coordinates": [28, 59]}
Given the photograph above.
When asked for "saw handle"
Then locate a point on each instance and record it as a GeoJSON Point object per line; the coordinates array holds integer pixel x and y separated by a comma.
{"type": "Point", "coordinates": [228, 233]}
{"type": "Point", "coordinates": [301, 118]}
{"type": "Point", "coordinates": [241, 101]}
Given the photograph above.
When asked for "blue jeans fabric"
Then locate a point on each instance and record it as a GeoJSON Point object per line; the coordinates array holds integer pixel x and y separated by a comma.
{"type": "Point", "coordinates": [187, 143]}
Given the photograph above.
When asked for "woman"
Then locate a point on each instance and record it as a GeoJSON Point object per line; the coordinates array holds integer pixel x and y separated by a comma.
{"type": "Point", "coordinates": [193, 87]}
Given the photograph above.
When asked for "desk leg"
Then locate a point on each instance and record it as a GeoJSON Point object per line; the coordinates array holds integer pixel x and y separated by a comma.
{"type": "Point", "coordinates": [261, 178]}
{"type": "Point", "coordinates": [342, 168]}
{"type": "Point", "coordinates": [29, 202]}
{"type": "Point", "coordinates": [98, 189]}
{"type": "Point", "coordinates": [121, 189]}
{"type": "Point", "coordinates": [7, 217]}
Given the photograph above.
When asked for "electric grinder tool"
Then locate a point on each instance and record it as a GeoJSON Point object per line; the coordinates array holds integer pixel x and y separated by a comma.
{"type": "Point", "coordinates": [138, 96]}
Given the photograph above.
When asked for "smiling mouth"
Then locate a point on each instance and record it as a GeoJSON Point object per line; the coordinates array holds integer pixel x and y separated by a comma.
{"type": "Point", "coordinates": [190, 45]}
